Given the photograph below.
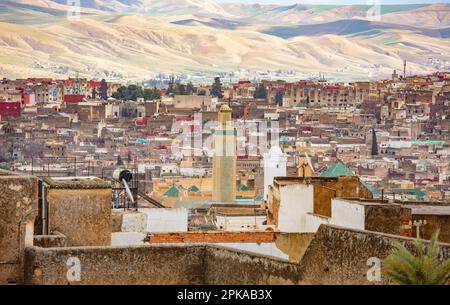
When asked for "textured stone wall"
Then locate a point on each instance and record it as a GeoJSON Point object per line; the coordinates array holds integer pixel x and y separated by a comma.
{"type": "Point", "coordinates": [434, 223]}
{"type": "Point", "coordinates": [116, 265]}
{"type": "Point", "coordinates": [162, 265]}
{"type": "Point", "coordinates": [385, 218]}
{"type": "Point", "coordinates": [339, 256]}
{"type": "Point", "coordinates": [82, 215]}
{"type": "Point", "coordinates": [18, 210]}
{"type": "Point", "coordinates": [225, 267]}
{"type": "Point", "coordinates": [57, 240]}
{"type": "Point", "coordinates": [334, 256]}
{"type": "Point", "coordinates": [294, 244]}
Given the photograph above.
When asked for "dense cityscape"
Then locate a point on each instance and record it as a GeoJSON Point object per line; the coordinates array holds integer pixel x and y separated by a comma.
{"type": "Point", "coordinates": [264, 176]}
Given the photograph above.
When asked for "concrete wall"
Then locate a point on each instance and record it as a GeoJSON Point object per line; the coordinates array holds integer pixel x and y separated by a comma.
{"type": "Point", "coordinates": [156, 265]}
{"type": "Point", "coordinates": [82, 215]}
{"type": "Point", "coordinates": [348, 214]}
{"type": "Point", "coordinates": [166, 220]}
{"type": "Point", "coordinates": [18, 210]}
{"type": "Point", "coordinates": [339, 256]}
{"type": "Point", "coordinates": [150, 220]}
{"type": "Point", "coordinates": [296, 201]}
{"type": "Point", "coordinates": [241, 223]}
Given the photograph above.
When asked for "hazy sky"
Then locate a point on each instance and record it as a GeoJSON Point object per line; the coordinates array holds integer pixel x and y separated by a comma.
{"type": "Point", "coordinates": [336, 1]}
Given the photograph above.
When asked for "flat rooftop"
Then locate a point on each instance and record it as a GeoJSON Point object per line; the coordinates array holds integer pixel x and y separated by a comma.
{"type": "Point", "coordinates": [428, 209]}
{"type": "Point", "coordinates": [77, 183]}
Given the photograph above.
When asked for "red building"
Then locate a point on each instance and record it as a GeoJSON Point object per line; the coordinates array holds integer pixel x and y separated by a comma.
{"type": "Point", "coordinates": [73, 98]}
{"type": "Point", "coordinates": [10, 110]}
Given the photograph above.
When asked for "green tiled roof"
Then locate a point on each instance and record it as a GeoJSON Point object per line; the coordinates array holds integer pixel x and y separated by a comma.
{"type": "Point", "coordinates": [418, 193]}
{"type": "Point", "coordinates": [244, 188]}
{"type": "Point", "coordinates": [172, 192]}
{"type": "Point", "coordinates": [192, 205]}
{"type": "Point", "coordinates": [193, 189]}
{"type": "Point", "coordinates": [338, 170]}
{"type": "Point", "coordinates": [429, 142]}
{"type": "Point", "coordinates": [374, 190]}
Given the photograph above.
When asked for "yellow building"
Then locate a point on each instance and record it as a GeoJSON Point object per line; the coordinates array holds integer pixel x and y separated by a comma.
{"type": "Point", "coordinates": [224, 159]}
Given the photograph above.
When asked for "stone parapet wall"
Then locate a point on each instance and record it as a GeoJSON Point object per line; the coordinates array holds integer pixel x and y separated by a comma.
{"type": "Point", "coordinates": [339, 255]}
{"type": "Point", "coordinates": [18, 210]}
{"type": "Point", "coordinates": [162, 265]}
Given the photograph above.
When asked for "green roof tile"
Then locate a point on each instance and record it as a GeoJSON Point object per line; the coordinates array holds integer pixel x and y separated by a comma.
{"type": "Point", "coordinates": [193, 189]}
{"type": "Point", "coordinates": [338, 170]}
{"type": "Point", "coordinates": [172, 192]}
{"type": "Point", "coordinates": [244, 188]}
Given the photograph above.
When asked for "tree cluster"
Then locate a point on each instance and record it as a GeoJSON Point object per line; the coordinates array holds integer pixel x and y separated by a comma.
{"type": "Point", "coordinates": [180, 89]}
{"type": "Point", "coordinates": [216, 89]}
{"type": "Point", "coordinates": [260, 92]}
{"type": "Point", "coordinates": [133, 93]}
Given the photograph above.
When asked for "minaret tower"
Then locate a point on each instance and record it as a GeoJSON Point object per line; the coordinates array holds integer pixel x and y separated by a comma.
{"type": "Point", "coordinates": [224, 159]}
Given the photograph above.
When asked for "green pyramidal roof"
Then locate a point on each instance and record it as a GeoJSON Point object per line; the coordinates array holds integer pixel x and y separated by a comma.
{"type": "Point", "coordinates": [193, 189]}
{"type": "Point", "coordinates": [172, 192]}
{"type": "Point", "coordinates": [244, 188]}
{"type": "Point", "coordinates": [338, 170]}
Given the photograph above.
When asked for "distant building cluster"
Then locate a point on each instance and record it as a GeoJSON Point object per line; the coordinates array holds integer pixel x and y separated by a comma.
{"type": "Point", "coordinates": [275, 168]}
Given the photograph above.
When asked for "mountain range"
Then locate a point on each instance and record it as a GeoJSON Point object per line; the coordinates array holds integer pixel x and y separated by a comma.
{"type": "Point", "coordinates": [135, 39]}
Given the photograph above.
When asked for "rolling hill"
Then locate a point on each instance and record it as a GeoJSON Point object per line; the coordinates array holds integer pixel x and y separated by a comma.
{"type": "Point", "coordinates": [137, 38]}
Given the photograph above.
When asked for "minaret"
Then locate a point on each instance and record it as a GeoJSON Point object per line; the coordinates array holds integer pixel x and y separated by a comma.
{"type": "Point", "coordinates": [275, 164]}
{"type": "Point", "coordinates": [404, 69]}
{"type": "Point", "coordinates": [224, 159]}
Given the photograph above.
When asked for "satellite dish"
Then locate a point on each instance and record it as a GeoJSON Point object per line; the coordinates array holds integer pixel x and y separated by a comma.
{"type": "Point", "coordinates": [123, 174]}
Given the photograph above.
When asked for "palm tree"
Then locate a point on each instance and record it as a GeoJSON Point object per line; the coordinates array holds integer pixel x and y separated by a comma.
{"type": "Point", "coordinates": [422, 267]}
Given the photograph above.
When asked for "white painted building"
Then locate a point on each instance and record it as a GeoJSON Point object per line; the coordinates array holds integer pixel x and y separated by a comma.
{"type": "Point", "coordinates": [241, 223]}
{"type": "Point", "coordinates": [166, 220]}
{"type": "Point", "coordinates": [296, 210]}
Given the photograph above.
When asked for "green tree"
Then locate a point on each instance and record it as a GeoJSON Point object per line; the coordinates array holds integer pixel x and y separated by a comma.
{"type": "Point", "coordinates": [216, 90]}
{"type": "Point", "coordinates": [104, 90]}
{"type": "Point", "coordinates": [172, 86]}
{"type": "Point", "coordinates": [279, 98]}
{"type": "Point", "coordinates": [134, 92]}
{"type": "Point", "coordinates": [260, 92]}
{"type": "Point", "coordinates": [420, 267]}
{"type": "Point", "coordinates": [181, 89]}
{"type": "Point", "coordinates": [374, 143]}
{"type": "Point", "coordinates": [151, 94]}
{"type": "Point", "coordinates": [156, 93]}
{"type": "Point", "coordinates": [121, 93]}
{"type": "Point", "coordinates": [190, 88]}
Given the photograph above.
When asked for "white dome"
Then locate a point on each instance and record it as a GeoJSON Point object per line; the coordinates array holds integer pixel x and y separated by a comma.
{"type": "Point", "coordinates": [275, 151]}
